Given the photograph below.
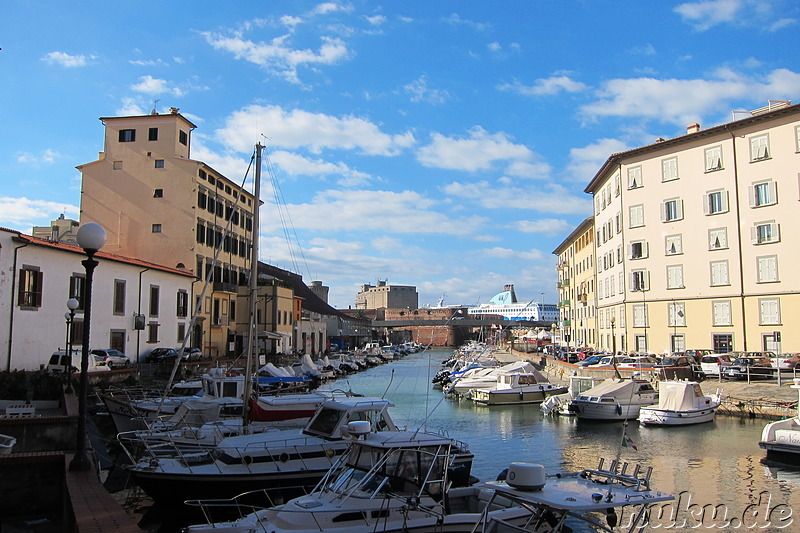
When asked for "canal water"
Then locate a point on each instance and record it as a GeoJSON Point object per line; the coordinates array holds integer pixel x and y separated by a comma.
{"type": "Point", "coordinates": [715, 470]}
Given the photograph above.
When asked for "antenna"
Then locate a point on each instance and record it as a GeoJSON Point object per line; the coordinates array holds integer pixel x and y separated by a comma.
{"type": "Point", "coordinates": [155, 110]}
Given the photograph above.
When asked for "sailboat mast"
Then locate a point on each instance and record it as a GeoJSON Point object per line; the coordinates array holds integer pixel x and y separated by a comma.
{"type": "Point", "coordinates": [249, 373]}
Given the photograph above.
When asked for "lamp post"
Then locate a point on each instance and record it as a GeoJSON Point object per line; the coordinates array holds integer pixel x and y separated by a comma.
{"type": "Point", "coordinates": [72, 305]}
{"type": "Point", "coordinates": [614, 349]}
{"type": "Point", "coordinates": [91, 237]}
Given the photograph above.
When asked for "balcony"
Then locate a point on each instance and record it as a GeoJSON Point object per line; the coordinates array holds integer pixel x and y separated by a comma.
{"type": "Point", "coordinates": [564, 303]}
{"type": "Point", "coordinates": [220, 286]}
{"type": "Point", "coordinates": [563, 283]}
{"type": "Point", "coordinates": [583, 298]}
{"type": "Point", "coordinates": [566, 323]}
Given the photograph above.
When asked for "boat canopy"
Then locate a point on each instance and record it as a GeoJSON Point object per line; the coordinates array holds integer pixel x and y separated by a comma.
{"type": "Point", "coordinates": [678, 395]}
{"type": "Point", "coordinates": [616, 388]}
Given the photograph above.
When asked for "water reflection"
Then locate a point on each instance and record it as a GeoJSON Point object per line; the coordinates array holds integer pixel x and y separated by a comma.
{"type": "Point", "coordinates": [714, 468]}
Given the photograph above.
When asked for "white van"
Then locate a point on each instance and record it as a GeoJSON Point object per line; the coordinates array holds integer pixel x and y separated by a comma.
{"type": "Point", "coordinates": [59, 361]}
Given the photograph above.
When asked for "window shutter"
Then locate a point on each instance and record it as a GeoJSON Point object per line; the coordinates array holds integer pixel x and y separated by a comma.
{"type": "Point", "coordinates": [724, 202]}
{"type": "Point", "coordinates": [775, 231]}
{"type": "Point", "coordinates": [707, 204]}
{"type": "Point", "coordinates": [754, 235]}
{"type": "Point", "coordinates": [663, 211]}
{"type": "Point", "coordinates": [751, 195]}
{"type": "Point", "coordinates": [39, 284]}
{"type": "Point", "coordinates": [772, 187]}
{"type": "Point", "coordinates": [645, 249]}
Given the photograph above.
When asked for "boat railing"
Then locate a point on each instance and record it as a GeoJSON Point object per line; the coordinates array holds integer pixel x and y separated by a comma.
{"type": "Point", "coordinates": [240, 505]}
{"type": "Point", "coordinates": [618, 473]}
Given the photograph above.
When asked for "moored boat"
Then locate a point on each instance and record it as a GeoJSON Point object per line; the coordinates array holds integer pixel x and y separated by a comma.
{"type": "Point", "coordinates": [781, 439]}
{"type": "Point", "coordinates": [680, 403]}
{"type": "Point", "coordinates": [614, 399]}
{"type": "Point", "coordinates": [517, 388]}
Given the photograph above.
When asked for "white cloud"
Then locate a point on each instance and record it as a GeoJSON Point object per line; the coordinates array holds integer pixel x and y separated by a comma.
{"type": "Point", "coordinates": [546, 226]}
{"type": "Point", "coordinates": [326, 8]}
{"type": "Point", "coordinates": [420, 92]}
{"type": "Point", "coordinates": [147, 62]}
{"type": "Point", "coordinates": [494, 47]}
{"type": "Point", "coordinates": [455, 20]}
{"type": "Point", "coordinates": [405, 212]}
{"type": "Point", "coordinates": [315, 131]}
{"type": "Point", "coordinates": [479, 151]}
{"type": "Point", "coordinates": [66, 60]}
{"type": "Point", "coordinates": [666, 101]}
{"type": "Point", "coordinates": [586, 161]}
{"type": "Point", "coordinates": [297, 165]}
{"type": "Point", "coordinates": [277, 55]}
{"type": "Point", "coordinates": [150, 85]}
{"type": "Point", "coordinates": [545, 86]}
{"type": "Point", "coordinates": [550, 198]}
{"type": "Point", "coordinates": [46, 156]}
{"type": "Point", "coordinates": [23, 213]}
{"type": "Point", "coordinates": [706, 14]}
{"type": "Point", "coordinates": [376, 20]}
{"type": "Point", "coordinates": [508, 253]}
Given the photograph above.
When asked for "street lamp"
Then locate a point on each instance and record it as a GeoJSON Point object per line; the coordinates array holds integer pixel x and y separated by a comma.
{"type": "Point", "coordinates": [72, 305]}
{"type": "Point", "coordinates": [614, 349]}
{"type": "Point", "coordinates": [91, 237]}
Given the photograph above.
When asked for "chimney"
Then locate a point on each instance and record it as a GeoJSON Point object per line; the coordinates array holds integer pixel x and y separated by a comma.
{"type": "Point", "coordinates": [692, 128]}
{"type": "Point", "coordinates": [174, 110]}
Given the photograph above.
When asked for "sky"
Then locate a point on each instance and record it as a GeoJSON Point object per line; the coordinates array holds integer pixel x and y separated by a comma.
{"type": "Point", "coordinates": [444, 145]}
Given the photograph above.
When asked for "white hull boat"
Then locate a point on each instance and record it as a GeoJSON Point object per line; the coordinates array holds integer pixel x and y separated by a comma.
{"type": "Point", "coordinates": [781, 439]}
{"type": "Point", "coordinates": [558, 404]}
{"type": "Point", "coordinates": [517, 388]}
{"type": "Point", "coordinates": [680, 403]}
{"type": "Point", "coordinates": [614, 399]}
{"type": "Point", "coordinates": [486, 378]}
{"type": "Point", "coordinates": [399, 482]}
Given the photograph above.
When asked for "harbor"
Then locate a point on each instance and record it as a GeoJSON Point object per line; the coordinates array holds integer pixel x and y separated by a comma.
{"type": "Point", "coordinates": [716, 470]}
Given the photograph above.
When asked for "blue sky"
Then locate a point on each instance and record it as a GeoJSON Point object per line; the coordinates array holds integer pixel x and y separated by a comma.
{"type": "Point", "coordinates": [444, 145]}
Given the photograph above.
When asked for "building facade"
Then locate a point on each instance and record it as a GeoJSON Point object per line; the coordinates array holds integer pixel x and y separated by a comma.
{"type": "Point", "coordinates": [60, 230]}
{"type": "Point", "coordinates": [576, 287]}
{"type": "Point", "coordinates": [696, 241]}
{"type": "Point", "coordinates": [387, 296]}
{"type": "Point", "coordinates": [159, 205]}
{"type": "Point", "coordinates": [38, 276]}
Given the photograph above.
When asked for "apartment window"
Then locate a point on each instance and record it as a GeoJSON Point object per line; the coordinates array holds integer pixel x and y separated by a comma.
{"type": "Point", "coordinates": [619, 254]}
{"type": "Point", "coordinates": [669, 169]}
{"type": "Point", "coordinates": [30, 287]}
{"type": "Point", "coordinates": [638, 250]}
{"type": "Point", "coordinates": [154, 297]}
{"type": "Point", "coordinates": [717, 239]}
{"type": "Point", "coordinates": [635, 177]}
{"type": "Point", "coordinates": [767, 268]}
{"type": "Point", "coordinates": [127, 136]}
{"type": "Point", "coordinates": [769, 313]}
{"type": "Point", "coordinates": [722, 342]}
{"type": "Point", "coordinates": [759, 147]}
{"type": "Point", "coordinates": [159, 163]}
{"type": "Point", "coordinates": [621, 285]}
{"type": "Point", "coordinates": [765, 233]}
{"type": "Point", "coordinates": [119, 296]}
{"type": "Point", "coordinates": [182, 304]}
{"type": "Point", "coordinates": [640, 315]}
{"type": "Point", "coordinates": [672, 210]}
{"type": "Point", "coordinates": [676, 314]}
{"type": "Point", "coordinates": [116, 165]}
{"type": "Point", "coordinates": [675, 276]}
{"type": "Point", "coordinates": [797, 138]}
{"type": "Point", "coordinates": [152, 134]}
{"type": "Point", "coordinates": [678, 342]}
{"type": "Point", "coordinates": [183, 138]}
{"type": "Point", "coordinates": [152, 332]}
{"type": "Point", "coordinates": [77, 289]}
{"type": "Point", "coordinates": [640, 280]}
{"type": "Point", "coordinates": [716, 202]}
{"type": "Point", "coordinates": [181, 332]}
{"type": "Point", "coordinates": [201, 199]}
{"type": "Point", "coordinates": [201, 232]}
{"type": "Point", "coordinates": [674, 244]}
{"type": "Point", "coordinates": [156, 228]}
{"type": "Point", "coordinates": [763, 193]}
{"type": "Point", "coordinates": [158, 193]}
{"type": "Point", "coordinates": [636, 216]}
{"type": "Point", "coordinates": [721, 312]}
{"type": "Point", "coordinates": [719, 273]}
{"type": "Point", "coordinates": [211, 179]}
{"type": "Point", "coordinates": [618, 185]}
{"type": "Point", "coordinates": [713, 158]}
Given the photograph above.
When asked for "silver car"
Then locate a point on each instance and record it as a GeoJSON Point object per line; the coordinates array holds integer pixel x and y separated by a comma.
{"type": "Point", "coordinates": [113, 358]}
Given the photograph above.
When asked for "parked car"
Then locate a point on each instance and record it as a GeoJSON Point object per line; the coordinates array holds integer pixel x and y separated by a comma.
{"type": "Point", "coordinates": [681, 360]}
{"type": "Point", "coordinates": [591, 360]}
{"type": "Point", "coordinates": [190, 354]}
{"type": "Point", "coordinates": [162, 355]}
{"type": "Point", "coordinates": [570, 357]}
{"type": "Point", "coordinates": [698, 354]}
{"type": "Point", "coordinates": [785, 361]}
{"type": "Point", "coordinates": [608, 361]}
{"type": "Point", "coordinates": [59, 361]}
{"type": "Point", "coordinates": [639, 361]}
{"type": "Point", "coordinates": [741, 367]}
{"type": "Point", "coordinates": [711, 364]}
{"type": "Point", "coordinates": [113, 358]}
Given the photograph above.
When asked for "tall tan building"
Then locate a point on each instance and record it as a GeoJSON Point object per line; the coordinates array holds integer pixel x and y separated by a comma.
{"type": "Point", "coordinates": [576, 287]}
{"type": "Point", "coordinates": [387, 296]}
{"type": "Point", "coordinates": [697, 238]}
{"type": "Point", "coordinates": [159, 205]}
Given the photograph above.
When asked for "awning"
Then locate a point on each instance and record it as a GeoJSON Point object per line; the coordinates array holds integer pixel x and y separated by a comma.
{"type": "Point", "coordinates": [270, 335]}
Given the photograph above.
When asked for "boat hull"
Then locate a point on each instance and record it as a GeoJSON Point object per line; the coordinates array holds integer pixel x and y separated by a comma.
{"type": "Point", "coordinates": [663, 417]}
{"type": "Point", "coordinates": [511, 397]}
{"type": "Point", "coordinates": [596, 411]}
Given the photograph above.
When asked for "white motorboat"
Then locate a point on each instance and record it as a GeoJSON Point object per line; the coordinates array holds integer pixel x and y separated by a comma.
{"type": "Point", "coordinates": [614, 399]}
{"type": "Point", "coordinates": [292, 460]}
{"type": "Point", "coordinates": [680, 403]}
{"type": "Point", "coordinates": [486, 378]}
{"type": "Point", "coordinates": [517, 388]}
{"type": "Point", "coordinates": [7, 443]}
{"type": "Point", "coordinates": [559, 403]}
{"type": "Point", "coordinates": [401, 482]}
{"type": "Point", "coordinates": [781, 438]}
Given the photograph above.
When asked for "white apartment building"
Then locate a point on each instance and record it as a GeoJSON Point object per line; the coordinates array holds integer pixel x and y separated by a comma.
{"type": "Point", "coordinates": [697, 237]}
{"type": "Point", "coordinates": [38, 276]}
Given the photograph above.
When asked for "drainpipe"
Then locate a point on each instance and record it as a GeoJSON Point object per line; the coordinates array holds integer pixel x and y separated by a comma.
{"type": "Point", "coordinates": [739, 236]}
{"type": "Point", "coordinates": [139, 312]}
{"type": "Point", "coordinates": [11, 317]}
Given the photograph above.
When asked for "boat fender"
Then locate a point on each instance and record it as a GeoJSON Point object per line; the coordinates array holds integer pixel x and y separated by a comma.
{"type": "Point", "coordinates": [330, 452]}
{"type": "Point", "coordinates": [611, 517]}
{"type": "Point", "coordinates": [283, 457]}
{"type": "Point", "coordinates": [246, 460]}
{"type": "Point", "coordinates": [619, 409]}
